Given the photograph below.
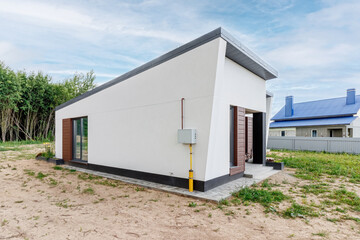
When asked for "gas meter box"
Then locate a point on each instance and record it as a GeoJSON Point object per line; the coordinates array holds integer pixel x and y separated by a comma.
{"type": "Point", "coordinates": [187, 136]}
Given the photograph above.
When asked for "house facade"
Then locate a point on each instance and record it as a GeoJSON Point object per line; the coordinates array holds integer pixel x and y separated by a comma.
{"type": "Point", "coordinates": [129, 126]}
{"type": "Point", "coordinates": [335, 117]}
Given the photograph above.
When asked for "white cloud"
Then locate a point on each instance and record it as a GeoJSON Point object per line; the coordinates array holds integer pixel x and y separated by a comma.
{"type": "Point", "coordinates": [46, 13]}
{"type": "Point", "coordinates": [13, 54]}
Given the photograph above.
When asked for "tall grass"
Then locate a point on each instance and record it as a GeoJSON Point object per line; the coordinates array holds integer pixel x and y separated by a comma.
{"type": "Point", "coordinates": [18, 145]}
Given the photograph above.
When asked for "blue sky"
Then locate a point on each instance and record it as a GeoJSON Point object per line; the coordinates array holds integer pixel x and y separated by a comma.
{"type": "Point", "coordinates": [314, 45]}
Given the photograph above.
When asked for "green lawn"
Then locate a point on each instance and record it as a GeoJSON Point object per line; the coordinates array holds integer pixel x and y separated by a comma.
{"type": "Point", "coordinates": [313, 165]}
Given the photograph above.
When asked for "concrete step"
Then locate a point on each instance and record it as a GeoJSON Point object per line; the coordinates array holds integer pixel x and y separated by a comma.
{"type": "Point", "coordinates": [258, 171]}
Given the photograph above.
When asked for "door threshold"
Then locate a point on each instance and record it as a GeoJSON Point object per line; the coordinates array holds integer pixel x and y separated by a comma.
{"type": "Point", "coordinates": [79, 162]}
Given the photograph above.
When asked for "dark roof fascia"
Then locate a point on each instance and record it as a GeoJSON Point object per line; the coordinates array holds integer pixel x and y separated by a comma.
{"type": "Point", "coordinates": [262, 69]}
{"type": "Point", "coordinates": [309, 118]}
{"type": "Point", "coordinates": [311, 126]}
{"type": "Point", "coordinates": [253, 61]}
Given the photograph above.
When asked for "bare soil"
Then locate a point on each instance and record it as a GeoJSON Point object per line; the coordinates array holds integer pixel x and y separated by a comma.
{"type": "Point", "coordinates": [62, 205]}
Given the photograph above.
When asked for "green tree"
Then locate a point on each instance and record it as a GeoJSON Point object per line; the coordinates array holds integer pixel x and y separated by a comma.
{"type": "Point", "coordinates": [9, 98]}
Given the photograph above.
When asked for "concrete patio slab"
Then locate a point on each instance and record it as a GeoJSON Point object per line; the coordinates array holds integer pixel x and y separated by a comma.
{"type": "Point", "coordinates": [258, 173]}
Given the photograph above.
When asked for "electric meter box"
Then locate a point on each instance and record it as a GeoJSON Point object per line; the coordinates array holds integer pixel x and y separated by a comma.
{"type": "Point", "coordinates": [187, 136]}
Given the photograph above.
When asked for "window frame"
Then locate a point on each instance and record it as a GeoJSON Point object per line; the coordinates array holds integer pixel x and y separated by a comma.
{"type": "Point", "coordinates": [312, 130]}
{"type": "Point", "coordinates": [81, 137]}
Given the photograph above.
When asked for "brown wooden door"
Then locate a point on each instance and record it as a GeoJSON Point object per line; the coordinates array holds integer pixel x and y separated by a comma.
{"type": "Point", "coordinates": [67, 139]}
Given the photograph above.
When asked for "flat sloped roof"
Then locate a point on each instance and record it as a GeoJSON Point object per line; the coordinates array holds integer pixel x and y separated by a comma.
{"type": "Point", "coordinates": [234, 51]}
{"type": "Point", "coordinates": [319, 109]}
{"type": "Point", "coordinates": [313, 122]}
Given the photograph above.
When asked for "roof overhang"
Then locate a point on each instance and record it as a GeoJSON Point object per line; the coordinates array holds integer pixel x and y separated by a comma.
{"type": "Point", "coordinates": [235, 51]}
{"type": "Point", "coordinates": [314, 122]}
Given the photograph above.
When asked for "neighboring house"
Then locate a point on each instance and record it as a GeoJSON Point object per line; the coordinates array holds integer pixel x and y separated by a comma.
{"type": "Point", "coordinates": [334, 117]}
{"type": "Point", "coordinates": [129, 126]}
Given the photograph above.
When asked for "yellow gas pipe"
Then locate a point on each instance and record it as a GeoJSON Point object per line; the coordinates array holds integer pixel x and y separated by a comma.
{"type": "Point", "coordinates": [191, 172]}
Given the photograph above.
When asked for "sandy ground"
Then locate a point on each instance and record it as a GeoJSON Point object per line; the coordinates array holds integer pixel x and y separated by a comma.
{"type": "Point", "coordinates": [64, 206]}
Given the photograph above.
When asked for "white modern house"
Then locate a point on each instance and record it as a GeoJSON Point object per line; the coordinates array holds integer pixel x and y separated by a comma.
{"type": "Point", "coordinates": [129, 126]}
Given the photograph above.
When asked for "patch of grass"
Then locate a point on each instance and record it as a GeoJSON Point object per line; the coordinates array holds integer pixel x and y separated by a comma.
{"type": "Point", "coordinates": [88, 190]}
{"type": "Point", "coordinates": [86, 176]}
{"type": "Point", "coordinates": [40, 175]}
{"type": "Point", "coordinates": [266, 184]}
{"type": "Point", "coordinates": [29, 172]}
{"type": "Point", "coordinates": [297, 210]}
{"type": "Point", "coordinates": [236, 201]}
{"type": "Point", "coordinates": [224, 202]}
{"type": "Point", "coordinates": [262, 196]}
{"type": "Point", "coordinates": [4, 222]}
{"type": "Point", "coordinates": [321, 234]}
{"type": "Point", "coordinates": [107, 183]}
{"type": "Point", "coordinates": [19, 143]}
{"type": "Point", "coordinates": [340, 210]}
{"type": "Point", "coordinates": [192, 204]}
{"type": "Point", "coordinates": [342, 196]}
{"type": "Point", "coordinates": [334, 220]}
{"type": "Point", "coordinates": [57, 168]}
{"type": "Point", "coordinates": [63, 204]}
{"type": "Point", "coordinates": [315, 188]}
{"type": "Point", "coordinates": [313, 165]}
{"type": "Point", "coordinates": [25, 156]}
{"type": "Point", "coordinates": [19, 201]}
{"type": "Point", "coordinates": [139, 189]}
{"type": "Point", "coordinates": [351, 218]}
{"type": "Point", "coordinates": [53, 182]}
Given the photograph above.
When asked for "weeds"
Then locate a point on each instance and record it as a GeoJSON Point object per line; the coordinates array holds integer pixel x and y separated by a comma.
{"type": "Point", "coordinates": [29, 172]}
{"type": "Point", "coordinates": [88, 190]}
{"type": "Point", "coordinates": [139, 189]}
{"type": "Point", "coordinates": [192, 204]}
{"type": "Point", "coordinates": [57, 168]}
{"type": "Point", "coordinates": [315, 188]}
{"type": "Point", "coordinates": [86, 176]}
{"type": "Point", "coordinates": [297, 210]}
{"type": "Point", "coordinates": [264, 197]}
{"type": "Point", "coordinates": [40, 175]}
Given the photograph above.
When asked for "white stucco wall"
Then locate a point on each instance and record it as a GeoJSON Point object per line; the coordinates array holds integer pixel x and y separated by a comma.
{"type": "Point", "coordinates": [269, 101]}
{"type": "Point", "coordinates": [276, 132]}
{"type": "Point", "coordinates": [236, 86]}
{"type": "Point", "coordinates": [133, 124]}
{"type": "Point", "coordinates": [355, 125]}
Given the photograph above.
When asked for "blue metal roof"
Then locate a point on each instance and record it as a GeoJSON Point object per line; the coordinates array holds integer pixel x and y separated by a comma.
{"type": "Point", "coordinates": [313, 122]}
{"type": "Point", "coordinates": [320, 109]}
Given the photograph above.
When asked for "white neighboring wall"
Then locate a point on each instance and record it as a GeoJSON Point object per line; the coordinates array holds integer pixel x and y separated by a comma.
{"type": "Point", "coordinates": [355, 125]}
{"type": "Point", "coordinates": [133, 124]}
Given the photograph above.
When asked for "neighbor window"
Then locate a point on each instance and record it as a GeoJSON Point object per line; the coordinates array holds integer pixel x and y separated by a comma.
{"type": "Point", "coordinates": [283, 133]}
{"type": "Point", "coordinates": [314, 133]}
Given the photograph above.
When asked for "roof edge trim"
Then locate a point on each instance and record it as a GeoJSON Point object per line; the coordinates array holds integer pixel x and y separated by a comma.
{"type": "Point", "coordinates": [219, 32]}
